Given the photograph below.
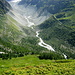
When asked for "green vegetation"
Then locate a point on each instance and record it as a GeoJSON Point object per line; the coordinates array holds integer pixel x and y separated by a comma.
{"type": "Point", "coordinates": [31, 65]}
{"type": "Point", "coordinates": [51, 55]}
{"type": "Point", "coordinates": [59, 34]}
{"type": "Point", "coordinates": [27, 46]}
{"type": "Point", "coordinates": [59, 29]}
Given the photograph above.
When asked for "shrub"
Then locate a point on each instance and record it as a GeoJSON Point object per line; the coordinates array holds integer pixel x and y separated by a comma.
{"type": "Point", "coordinates": [51, 55]}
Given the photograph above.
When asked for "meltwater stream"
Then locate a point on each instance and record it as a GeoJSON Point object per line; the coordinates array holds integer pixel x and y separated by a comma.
{"type": "Point", "coordinates": [41, 43]}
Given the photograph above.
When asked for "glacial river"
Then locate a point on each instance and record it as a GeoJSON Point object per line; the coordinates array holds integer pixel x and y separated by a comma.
{"type": "Point", "coordinates": [42, 43]}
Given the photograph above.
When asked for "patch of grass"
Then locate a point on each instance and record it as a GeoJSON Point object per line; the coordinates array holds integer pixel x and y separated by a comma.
{"type": "Point", "coordinates": [31, 65]}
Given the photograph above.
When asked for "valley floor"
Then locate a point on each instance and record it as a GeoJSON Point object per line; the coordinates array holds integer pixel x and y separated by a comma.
{"type": "Point", "coordinates": [32, 65]}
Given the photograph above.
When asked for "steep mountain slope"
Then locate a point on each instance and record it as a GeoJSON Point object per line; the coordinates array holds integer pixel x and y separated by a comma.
{"type": "Point", "coordinates": [59, 30]}
{"type": "Point", "coordinates": [7, 27]}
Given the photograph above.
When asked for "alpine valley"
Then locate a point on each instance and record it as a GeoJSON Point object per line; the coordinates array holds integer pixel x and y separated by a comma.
{"type": "Point", "coordinates": [40, 29]}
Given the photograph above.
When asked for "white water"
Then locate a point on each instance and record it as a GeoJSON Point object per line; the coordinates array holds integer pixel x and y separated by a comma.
{"type": "Point", "coordinates": [41, 43]}
{"type": "Point", "coordinates": [29, 23]}
{"type": "Point", "coordinates": [15, 0]}
{"type": "Point", "coordinates": [65, 56]}
{"type": "Point", "coordinates": [2, 52]}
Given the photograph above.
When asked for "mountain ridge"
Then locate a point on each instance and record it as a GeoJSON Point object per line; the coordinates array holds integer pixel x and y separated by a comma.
{"type": "Point", "coordinates": [52, 6]}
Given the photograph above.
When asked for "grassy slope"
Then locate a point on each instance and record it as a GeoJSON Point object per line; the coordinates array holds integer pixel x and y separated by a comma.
{"type": "Point", "coordinates": [31, 65]}
{"type": "Point", "coordinates": [16, 39]}
{"type": "Point", "coordinates": [10, 29]}
{"type": "Point", "coordinates": [9, 32]}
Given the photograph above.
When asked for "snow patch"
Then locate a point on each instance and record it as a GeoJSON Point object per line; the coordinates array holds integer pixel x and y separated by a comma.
{"type": "Point", "coordinates": [65, 56]}
{"type": "Point", "coordinates": [15, 0]}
